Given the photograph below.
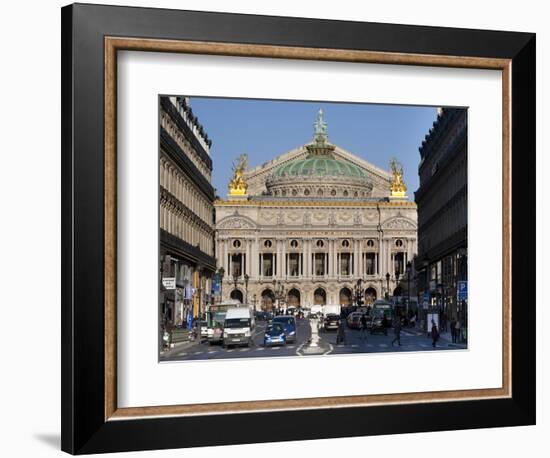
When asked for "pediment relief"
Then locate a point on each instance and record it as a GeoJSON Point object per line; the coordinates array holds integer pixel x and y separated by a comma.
{"type": "Point", "coordinates": [399, 223]}
{"type": "Point", "coordinates": [235, 222]}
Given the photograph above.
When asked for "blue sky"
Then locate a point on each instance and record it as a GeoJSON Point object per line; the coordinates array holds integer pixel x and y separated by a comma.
{"type": "Point", "coordinates": [265, 128]}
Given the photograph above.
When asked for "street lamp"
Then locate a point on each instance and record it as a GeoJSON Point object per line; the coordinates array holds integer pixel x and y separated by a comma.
{"type": "Point", "coordinates": [359, 292]}
{"type": "Point", "coordinates": [397, 279]}
{"type": "Point", "coordinates": [246, 278]}
{"type": "Point", "coordinates": [221, 273]}
{"type": "Point", "coordinates": [388, 285]}
{"type": "Point", "coordinates": [235, 279]}
{"type": "Point", "coordinates": [254, 299]}
{"type": "Point", "coordinates": [409, 268]}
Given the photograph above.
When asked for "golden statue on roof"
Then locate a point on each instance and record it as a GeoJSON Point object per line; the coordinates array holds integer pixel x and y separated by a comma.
{"type": "Point", "coordinates": [237, 185]}
{"type": "Point", "coordinates": [398, 188]}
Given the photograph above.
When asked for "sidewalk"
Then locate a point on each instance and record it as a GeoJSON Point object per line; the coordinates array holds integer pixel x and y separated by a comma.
{"type": "Point", "coordinates": [445, 338]}
{"type": "Point", "coordinates": [178, 347]}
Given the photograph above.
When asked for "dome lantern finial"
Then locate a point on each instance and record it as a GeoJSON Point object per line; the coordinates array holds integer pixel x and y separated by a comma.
{"type": "Point", "coordinates": [320, 129]}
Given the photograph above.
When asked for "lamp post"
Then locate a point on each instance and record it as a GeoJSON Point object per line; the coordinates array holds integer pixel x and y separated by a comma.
{"type": "Point", "coordinates": [359, 292]}
{"type": "Point", "coordinates": [235, 280]}
{"type": "Point", "coordinates": [254, 299]}
{"type": "Point", "coordinates": [396, 278]}
{"type": "Point", "coordinates": [388, 285]}
{"type": "Point", "coordinates": [275, 295]}
{"type": "Point", "coordinates": [221, 273]}
{"type": "Point", "coordinates": [246, 278]}
{"type": "Point", "coordinates": [409, 268]}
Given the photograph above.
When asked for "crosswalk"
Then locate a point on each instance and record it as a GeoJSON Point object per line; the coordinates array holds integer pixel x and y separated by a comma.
{"type": "Point", "coordinates": [233, 350]}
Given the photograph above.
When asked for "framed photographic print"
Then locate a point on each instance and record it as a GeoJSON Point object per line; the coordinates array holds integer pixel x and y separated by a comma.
{"type": "Point", "coordinates": [281, 228]}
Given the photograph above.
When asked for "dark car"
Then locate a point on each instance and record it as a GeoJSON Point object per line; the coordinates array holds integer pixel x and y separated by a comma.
{"type": "Point", "coordinates": [354, 320]}
{"type": "Point", "coordinates": [261, 316]}
{"type": "Point", "coordinates": [331, 322]}
{"type": "Point", "coordinates": [274, 335]}
{"type": "Point", "coordinates": [379, 323]}
{"type": "Point", "coordinates": [289, 324]}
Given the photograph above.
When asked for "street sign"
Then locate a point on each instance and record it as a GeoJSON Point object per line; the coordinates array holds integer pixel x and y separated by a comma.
{"type": "Point", "coordinates": [169, 282]}
{"type": "Point", "coordinates": [462, 291]}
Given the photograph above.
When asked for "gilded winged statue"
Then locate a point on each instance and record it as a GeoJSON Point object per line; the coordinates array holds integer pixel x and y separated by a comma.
{"type": "Point", "coordinates": [238, 185]}
{"type": "Point", "coordinates": [397, 187]}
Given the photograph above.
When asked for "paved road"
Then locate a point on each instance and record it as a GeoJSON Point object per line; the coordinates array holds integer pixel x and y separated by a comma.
{"type": "Point", "coordinates": [356, 342]}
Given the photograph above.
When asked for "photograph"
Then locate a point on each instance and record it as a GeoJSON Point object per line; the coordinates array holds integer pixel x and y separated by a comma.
{"type": "Point", "coordinates": [292, 228]}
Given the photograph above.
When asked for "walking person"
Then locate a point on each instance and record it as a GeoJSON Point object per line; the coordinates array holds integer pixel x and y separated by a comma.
{"type": "Point", "coordinates": [341, 336]}
{"type": "Point", "coordinates": [458, 333]}
{"type": "Point", "coordinates": [453, 330]}
{"type": "Point", "coordinates": [397, 331]}
{"type": "Point", "coordinates": [435, 333]}
{"type": "Point", "coordinates": [364, 326]}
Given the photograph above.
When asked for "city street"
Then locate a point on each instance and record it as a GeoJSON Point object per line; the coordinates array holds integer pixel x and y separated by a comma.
{"type": "Point", "coordinates": [356, 342]}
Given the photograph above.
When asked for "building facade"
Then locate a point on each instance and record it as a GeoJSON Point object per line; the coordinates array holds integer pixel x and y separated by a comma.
{"type": "Point", "coordinates": [442, 200]}
{"type": "Point", "coordinates": [186, 214]}
{"type": "Point", "coordinates": [303, 228]}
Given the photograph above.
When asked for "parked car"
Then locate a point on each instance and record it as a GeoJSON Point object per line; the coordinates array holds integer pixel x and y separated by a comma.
{"type": "Point", "coordinates": [331, 322]}
{"type": "Point", "coordinates": [354, 320]}
{"type": "Point", "coordinates": [274, 335]}
{"type": "Point", "coordinates": [289, 324]}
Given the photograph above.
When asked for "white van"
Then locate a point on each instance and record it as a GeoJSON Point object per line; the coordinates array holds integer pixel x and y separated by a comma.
{"type": "Point", "coordinates": [238, 326]}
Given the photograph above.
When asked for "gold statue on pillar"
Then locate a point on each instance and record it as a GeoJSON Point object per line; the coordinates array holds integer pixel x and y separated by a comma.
{"type": "Point", "coordinates": [398, 188]}
{"type": "Point", "coordinates": [238, 186]}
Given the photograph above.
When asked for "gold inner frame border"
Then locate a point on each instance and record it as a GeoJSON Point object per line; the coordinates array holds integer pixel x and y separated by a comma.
{"type": "Point", "coordinates": [114, 44]}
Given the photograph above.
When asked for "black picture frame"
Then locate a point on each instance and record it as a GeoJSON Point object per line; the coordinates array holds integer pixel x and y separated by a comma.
{"type": "Point", "coordinates": [84, 428]}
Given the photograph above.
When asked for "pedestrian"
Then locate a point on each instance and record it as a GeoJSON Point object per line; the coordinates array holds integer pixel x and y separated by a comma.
{"type": "Point", "coordinates": [453, 330]}
{"type": "Point", "coordinates": [364, 325]}
{"type": "Point", "coordinates": [397, 331]}
{"type": "Point", "coordinates": [435, 333]}
{"type": "Point", "coordinates": [458, 329]}
{"type": "Point", "coordinates": [341, 336]}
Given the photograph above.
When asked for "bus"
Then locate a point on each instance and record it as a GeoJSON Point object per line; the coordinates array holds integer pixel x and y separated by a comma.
{"type": "Point", "coordinates": [380, 309]}
{"type": "Point", "coordinates": [215, 317]}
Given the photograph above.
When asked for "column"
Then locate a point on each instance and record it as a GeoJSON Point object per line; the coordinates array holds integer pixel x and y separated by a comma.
{"type": "Point", "coordinates": [277, 272]}
{"type": "Point", "coordinates": [247, 258]}
{"type": "Point", "coordinates": [307, 257]}
{"type": "Point", "coordinates": [360, 266]}
{"type": "Point", "coordinates": [261, 272]}
{"type": "Point", "coordinates": [283, 259]}
{"type": "Point", "coordinates": [330, 258]}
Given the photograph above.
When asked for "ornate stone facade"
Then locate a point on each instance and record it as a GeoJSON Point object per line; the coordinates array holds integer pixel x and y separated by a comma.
{"type": "Point", "coordinates": [314, 222]}
{"type": "Point", "coordinates": [186, 213]}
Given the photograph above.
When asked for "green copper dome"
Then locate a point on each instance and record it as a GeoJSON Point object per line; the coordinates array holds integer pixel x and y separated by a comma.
{"type": "Point", "coordinates": [320, 166]}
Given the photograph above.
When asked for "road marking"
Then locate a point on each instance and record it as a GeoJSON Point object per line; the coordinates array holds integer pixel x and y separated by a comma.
{"type": "Point", "coordinates": [243, 349]}
{"type": "Point", "coordinates": [182, 354]}
{"type": "Point", "coordinates": [354, 345]}
{"type": "Point", "coordinates": [275, 348]}
{"type": "Point", "coordinates": [423, 345]}
{"type": "Point", "coordinates": [212, 351]}
{"type": "Point", "coordinates": [260, 348]}
{"type": "Point", "coordinates": [383, 345]}
{"type": "Point", "coordinates": [198, 353]}
{"type": "Point", "coordinates": [370, 345]}
{"type": "Point", "coordinates": [331, 348]}
{"type": "Point", "coordinates": [229, 350]}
